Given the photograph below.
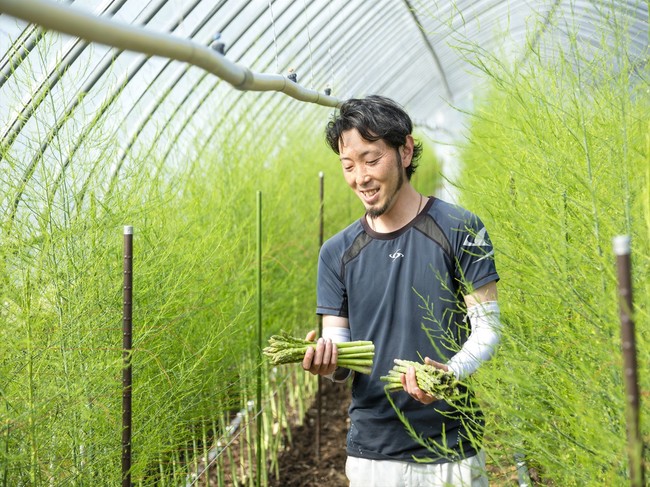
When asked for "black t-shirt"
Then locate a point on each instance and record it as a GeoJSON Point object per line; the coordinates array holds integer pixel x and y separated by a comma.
{"type": "Point", "coordinates": [403, 290]}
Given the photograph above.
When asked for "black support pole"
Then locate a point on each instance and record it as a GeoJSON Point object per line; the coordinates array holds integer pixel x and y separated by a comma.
{"type": "Point", "coordinates": [630, 369]}
{"type": "Point", "coordinates": [127, 330]}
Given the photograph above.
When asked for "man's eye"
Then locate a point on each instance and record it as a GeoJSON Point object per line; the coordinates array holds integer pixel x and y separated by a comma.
{"type": "Point", "coordinates": [373, 162]}
{"type": "Point", "coordinates": [348, 168]}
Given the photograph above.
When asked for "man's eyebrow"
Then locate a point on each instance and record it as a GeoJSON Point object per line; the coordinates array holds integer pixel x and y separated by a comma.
{"type": "Point", "coordinates": [363, 154]}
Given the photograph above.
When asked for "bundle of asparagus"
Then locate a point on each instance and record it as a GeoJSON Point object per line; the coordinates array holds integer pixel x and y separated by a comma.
{"type": "Point", "coordinates": [430, 379]}
{"type": "Point", "coordinates": [284, 349]}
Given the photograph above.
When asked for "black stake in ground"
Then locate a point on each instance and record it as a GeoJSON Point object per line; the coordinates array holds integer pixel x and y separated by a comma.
{"type": "Point", "coordinates": [321, 178]}
{"type": "Point", "coordinates": [630, 370]}
{"type": "Point", "coordinates": [127, 330]}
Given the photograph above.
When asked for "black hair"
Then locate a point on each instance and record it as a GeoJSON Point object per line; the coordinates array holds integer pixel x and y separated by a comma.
{"type": "Point", "coordinates": [375, 117]}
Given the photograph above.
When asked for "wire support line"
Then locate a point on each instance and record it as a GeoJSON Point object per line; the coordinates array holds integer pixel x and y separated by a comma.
{"type": "Point", "coordinates": [431, 49]}
{"type": "Point", "coordinates": [275, 39]}
{"type": "Point", "coordinates": [236, 428]}
{"type": "Point", "coordinates": [68, 20]}
{"type": "Point", "coordinates": [311, 61]}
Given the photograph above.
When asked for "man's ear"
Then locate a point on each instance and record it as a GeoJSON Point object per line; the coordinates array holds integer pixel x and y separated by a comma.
{"type": "Point", "coordinates": [407, 151]}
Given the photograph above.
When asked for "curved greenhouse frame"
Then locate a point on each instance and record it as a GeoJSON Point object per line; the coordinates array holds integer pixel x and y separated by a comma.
{"type": "Point", "coordinates": [183, 119]}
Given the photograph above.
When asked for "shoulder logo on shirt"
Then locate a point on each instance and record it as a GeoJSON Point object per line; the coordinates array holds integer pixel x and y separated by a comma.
{"type": "Point", "coordinates": [479, 240]}
{"type": "Point", "coordinates": [396, 255]}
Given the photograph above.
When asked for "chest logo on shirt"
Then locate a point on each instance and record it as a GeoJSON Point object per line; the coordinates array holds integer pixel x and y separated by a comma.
{"type": "Point", "coordinates": [396, 255]}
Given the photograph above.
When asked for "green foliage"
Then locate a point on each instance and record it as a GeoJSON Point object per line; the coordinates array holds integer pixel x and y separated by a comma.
{"type": "Point", "coordinates": [556, 164]}
{"type": "Point", "coordinates": [195, 354]}
{"type": "Point", "coordinates": [427, 177]}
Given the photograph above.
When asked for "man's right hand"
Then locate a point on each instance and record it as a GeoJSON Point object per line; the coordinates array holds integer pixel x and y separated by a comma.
{"type": "Point", "coordinates": [322, 359]}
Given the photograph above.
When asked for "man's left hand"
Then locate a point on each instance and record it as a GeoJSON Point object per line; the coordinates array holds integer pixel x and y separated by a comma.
{"type": "Point", "coordinates": [410, 384]}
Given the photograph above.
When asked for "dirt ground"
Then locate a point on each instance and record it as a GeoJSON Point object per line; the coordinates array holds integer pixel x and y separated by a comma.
{"type": "Point", "coordinates": [299, 463]}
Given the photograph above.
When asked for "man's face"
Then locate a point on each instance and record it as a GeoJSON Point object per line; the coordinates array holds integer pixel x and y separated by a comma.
{"type": "Point", "coordinates": [374, 171]}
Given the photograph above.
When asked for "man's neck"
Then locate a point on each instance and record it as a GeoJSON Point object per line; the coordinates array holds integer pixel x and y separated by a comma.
{"type": "Point", "coordinates": [408, 204]}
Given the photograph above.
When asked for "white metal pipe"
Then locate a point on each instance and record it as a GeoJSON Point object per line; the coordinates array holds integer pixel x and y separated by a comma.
{"type": "Point", "coordinates": [71, 21]}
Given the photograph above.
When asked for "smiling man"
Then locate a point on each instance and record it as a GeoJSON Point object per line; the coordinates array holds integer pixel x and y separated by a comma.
{"type": "Point", "coordinates": [408, 275]}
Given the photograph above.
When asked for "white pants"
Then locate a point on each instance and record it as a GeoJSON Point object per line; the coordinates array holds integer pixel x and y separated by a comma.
{"type": "Point", "coordinates": [470, 472]}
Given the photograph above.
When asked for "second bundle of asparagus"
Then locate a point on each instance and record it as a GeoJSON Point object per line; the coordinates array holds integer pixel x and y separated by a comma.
{"type": "Point", "coordinates": [430, 379]}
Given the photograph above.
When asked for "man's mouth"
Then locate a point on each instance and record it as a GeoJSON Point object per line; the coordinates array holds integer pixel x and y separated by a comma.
{"type": "Point", "coordinates": [368, 194]}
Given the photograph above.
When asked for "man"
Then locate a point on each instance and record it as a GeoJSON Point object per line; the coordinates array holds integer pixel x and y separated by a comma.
{"type": "Point", "coordinates": [404, 276]}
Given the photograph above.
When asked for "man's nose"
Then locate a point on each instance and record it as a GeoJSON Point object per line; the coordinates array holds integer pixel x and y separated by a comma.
{"type": "Point", "coordinates": [361, 175]}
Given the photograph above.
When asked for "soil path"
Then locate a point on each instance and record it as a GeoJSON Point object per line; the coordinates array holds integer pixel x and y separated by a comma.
{"type": "Point", "coordinates": [299, 466]}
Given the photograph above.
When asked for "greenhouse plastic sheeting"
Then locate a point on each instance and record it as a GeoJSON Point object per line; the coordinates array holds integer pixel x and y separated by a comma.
{"type": "Point", "coordinates": [423, 54]}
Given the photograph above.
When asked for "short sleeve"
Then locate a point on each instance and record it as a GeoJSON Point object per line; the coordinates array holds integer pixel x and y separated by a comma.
{"type": "Point", "coordinates": [475, 265]}
{"type": "Point", "coordinates": [331, 291]}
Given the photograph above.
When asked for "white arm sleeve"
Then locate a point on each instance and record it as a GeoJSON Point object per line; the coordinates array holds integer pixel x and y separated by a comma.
{"type": "Point", "coordinates": [338, 335]}
{"type": "Point", "coordinates": [482, 341]}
